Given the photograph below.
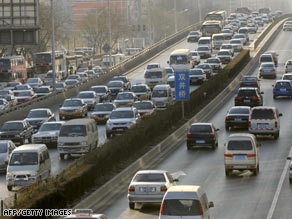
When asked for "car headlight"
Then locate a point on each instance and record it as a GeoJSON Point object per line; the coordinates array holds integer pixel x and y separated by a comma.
{"type": "Point", "coordinates": [84, 143]}
{"type": "Point", "coordinates": [10, 175]}
{"type": "Point", "coordinates": [109, 123]}
{"type": "Point", "coordinates": [17, 136]}
{"type": "Point", "coordinates": [60, 143]}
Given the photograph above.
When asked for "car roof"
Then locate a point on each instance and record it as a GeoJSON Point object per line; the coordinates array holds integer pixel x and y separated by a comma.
{"type": "Point", "coordinates": [248, 88]}
{"type": "Point", "coordinates": [30, 147]}
{"type": "Point", "coordinates": [161, 86]}
{"type": "Point", "coordinates": [79, 121]}
{"type": "Point", "coordinates": [74, 98]}
{"type": "Point", "coordinates": [202, 123]}
{"type": "Point", "coordinates": [263, 107]}
{"type": "Point", "coordinates": [283, 81]}
{"type": "Point", "coordinates": [47, 109]}
{"type": "Point", "coordinates": [240, 107]}
{"type": "Point", "coordinates": [88, 91]}
{"type": "Point", "coordinates": [151, 171]}
{"type": "Point", "coordinates": [13, 121]}
{"type": "Point", "coordinates": [54, 122]}
{"type": "Point", "coordinates": [236, 135]}
{"type": "Point", "coordinates": [184, 188]}
{"type": "Point", "coordinates": [125, 109]}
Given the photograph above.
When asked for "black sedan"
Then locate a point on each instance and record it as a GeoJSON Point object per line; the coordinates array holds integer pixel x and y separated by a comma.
{"type": "Point", "coordinates": [237, 116]}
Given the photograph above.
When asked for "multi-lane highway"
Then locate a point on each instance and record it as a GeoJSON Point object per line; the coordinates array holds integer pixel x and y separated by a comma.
{"type": "Point", "coordinates": [241, 195]}
{"type": "Point", "coordinates": [136, 76]}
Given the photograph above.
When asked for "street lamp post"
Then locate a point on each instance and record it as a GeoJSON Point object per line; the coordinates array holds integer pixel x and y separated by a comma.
{"type": "Point", "coordinates": [53, 45]}
{"type": "Point", "coordinates": [175, 17]}
{"type": "Point", "coordinates": [109, 32]}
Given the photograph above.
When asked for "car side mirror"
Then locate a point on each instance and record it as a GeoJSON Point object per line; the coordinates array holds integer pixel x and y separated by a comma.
{"type": "Point", "coordinates": [211, 205]}
{"type": "Point", "coordinates": [60, 105]}
{"type": "Point", "coordinates": [175, 180]}
{"type": "Point", "coordinates": [273, 85]}
{"type": "Point", "coordinates": [259, 144]}
{"type": "Point", "coordinates": [167, 62]}
{"type": "Point", "coordinates": [217, 130]}
{"type": "Point", "coordinates": [289, 158]}
{"type": "Point", "coordinates": [280, 114]}
{"type": "Point", "coordinates": [6, 162]}
{"type": "Point", "coordinates": [262, 92]}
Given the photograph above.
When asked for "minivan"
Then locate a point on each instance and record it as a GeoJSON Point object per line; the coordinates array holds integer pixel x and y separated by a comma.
{"type": "Point", "coordinates": [205, 41]}
{"type": "Point", "coordinates": [185, 202]}
{"type": "Point", "coordinates": [162, 96]}
{"type": "Point", "coordinates": [77, 136]}
{"type": "Point", "coordinates": [264, 120]}
{"type": "Point", "coordinates": [28, 164]}
{"type": "Point", "coordinates": [241, 153]}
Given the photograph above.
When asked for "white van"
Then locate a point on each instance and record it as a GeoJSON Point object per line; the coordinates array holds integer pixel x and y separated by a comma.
{"type": "Point", "coordinates": [181, 60]}
{"type": "Point", "coordinates": [205, 41]}
{"type": "Point", "coordinates": [28, 164]}
{"type": "Point", "coordinates": [77, 136]}
{"type": "Point", "coordinates": [264, 120]}
{"type": "Point", "coordinates": [218, 40]}
{"type": "Point", "coordinates": [241, 153]}
{"type": "Point", "coordinates": [162, 96]}
{"type": "Point", "coordinates": [185, 202]}
{"type": "Point", "coordinates": [155, 76]}
{"type": "Point", "coordinates": [171, 82]}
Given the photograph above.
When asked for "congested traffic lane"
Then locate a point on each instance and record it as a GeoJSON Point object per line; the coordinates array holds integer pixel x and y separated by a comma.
{"type": "Point", "coordinates": [136, 76]}
{"type": "Point", "coordinates": [241, 195]}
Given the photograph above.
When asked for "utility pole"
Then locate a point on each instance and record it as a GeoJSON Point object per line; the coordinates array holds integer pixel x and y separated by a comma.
{"type": "Point", "coordinates": [149, 23]}
{"type": "Point", "coordinates": [53, 45]}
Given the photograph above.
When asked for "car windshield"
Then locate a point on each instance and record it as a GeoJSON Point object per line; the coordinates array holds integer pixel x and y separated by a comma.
{"type": "Point", "coordinates": [104, 107]}
{"type": "Point", "coordinates": [159, 93]}
{"type": "Point", "coordinates": [71, 82]}
{"type": "Point", "coordinates": [181, 207]}
{"type": "Point", "coordinates": [287, 77]}
{"type": "Point", "coordinates": [204, 66]}
{"type": "Point", "coordinates": [239, 111]}
{"type": "Point", "coordinates": [3, 148]}
{"type": "Point", "coordinates": [72, 130]}
{"type": "Point", "coordinates": [171, 83]}
{"type": "Point", "coordinates": [169, 70]}
{"type": "Point", "coordinates": [23, 159]}
{"type": "Point", "coordinates": [125, 96]}
{"type": "Point", "coordinates": [226, 46]}
{"type": "Point", "coordinates": [249, 79]}
{"type": "Point", "coordinates": [127, 114]}
{"type": "Point", "coordinates": [201, 128]}
{"type": "Point", "coordinates": [60, 85]}
{"type": "Point", "coordinates": [283, 84]}
{"type": "Point", "coordinates": [262, 114]}
{"type": "Point", "coordinates": [22, 87]}
{"type": "Point", "coordinates": [139, 89]}
{"type": "Point", "coordinates": [143, 105]}
{"type": "Point", "coordinates": [85, 95]}
{"type": "Point", "coordinates": [72, 103]}
{"type": "Point", "coordinates": [115, 84]}
{"type": "Point", "coordinates": [73, 77]}
{"type": "Point", "coordinates": [149, 177]}
{"type": "Point", "coordinates": [32, 80]}
{"type": "Point", "coordinates": [22, 94]}
{"type": "Point", "coordinates": [42, 90]}
{"type": "Point", "coordinates": [203, 49]}
{"type": "Point", "coordinates": [37, 114]}
{"type": "Point", "coordinates": [223, 53]}
{"type": "Point", "coordinates": [124, 79]}
{"type": "Point", "coordinates": [242, 145]}
{"type": "Point", "coordinates": [12, 84]}
{"type": "Point", "coordinates": [245, 93]}
{"type": "Point", "coordinates": [266, 59]}
{"type": "Point", "coordinates": [152, 66]}
{"type": "Point", "coordinates": [98, 89]}
{"type": "Point", "coordinates": [267, 65]}
{"type": "Point", "coordinates": [217, 61]}
{"type": "Point", "coordinates": [235, 42]}
{"type": "Point", "coordinates": [196, 72]}
{"type": "Point", "coordinates": [4, 92]}
{"type": "Point", "coordinates": [50, 127]}
{"type": "Point", "coordinates": [10, 126]}
{"type": "Point", "coordinates": [153, 74]}
{"type": "Point", "coordinates": [178, 59]}
{"type": "Point", "coordinates": [194, 54]}
{"type": "Point", "coordinates": [194, 33]}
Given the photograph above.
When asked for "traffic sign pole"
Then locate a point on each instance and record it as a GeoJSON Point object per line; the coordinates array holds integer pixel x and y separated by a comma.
{"type": "Point", "coordinates": [182, 89]}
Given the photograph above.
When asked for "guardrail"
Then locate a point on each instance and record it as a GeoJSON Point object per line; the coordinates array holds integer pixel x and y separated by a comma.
{"type": "Point", "coordinates": [106, 194]}
{"type": "Point", "coordinates": [18, 111]}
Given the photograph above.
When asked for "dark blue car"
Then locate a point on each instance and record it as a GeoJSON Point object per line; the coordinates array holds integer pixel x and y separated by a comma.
{"type": "Point", "coordinates": [282, 88]}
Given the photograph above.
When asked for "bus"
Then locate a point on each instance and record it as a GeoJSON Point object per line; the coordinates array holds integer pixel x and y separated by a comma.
{"type": "Point", "coordinates": [217, 16]}
{"type": "Point", "coordinates": [243, 10]}
{"type": "Point", "coordinates": [116, 59]}
{"type": "Point", "coordinates": [264, 10]}
{"type": "Point", "coordinates": [43, 63]}
{"type": "Point", "coordinates": [155, 76]}
{"type": "Point", "coordinates": [13, 69]}
{"type": "Point", "coordinates": [181, 60]}
{"type": "Point", "coordinates": [209, 28]}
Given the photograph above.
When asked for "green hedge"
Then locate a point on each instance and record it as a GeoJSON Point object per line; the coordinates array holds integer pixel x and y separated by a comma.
{"type": "Point", "coordinates": [94, 169]}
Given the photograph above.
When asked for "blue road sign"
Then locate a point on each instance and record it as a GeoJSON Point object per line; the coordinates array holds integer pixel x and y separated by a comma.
{"type": "Point", "coordinates": [182, 86]}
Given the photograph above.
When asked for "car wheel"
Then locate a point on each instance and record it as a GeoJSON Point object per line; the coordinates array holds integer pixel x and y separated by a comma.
{"type": "Point", "coordinates": [22, 141]}
{"type": "Point", "coordinates": [256, 171]}
{"type": "Point", "coordinates": [227, 172]}
{"type": "Point", "coordinates": [9, 188]}
{"type": "Point", "coordinates": [276, 136]}
{"type": "Point", "coordinates": [290, 180]}
{"type": "Point", "coordinates": [29, 139]}
{"type": "Point", "coordinates": [62, 156]}
{"type": "Point", "coordinates": [108, 135]}
{"type": "Point", "coordinates": [132, 205]}
{"type": "Point", "coordinates": [227, 127]}
{"type": "Point", "coordinates": [274, 97]}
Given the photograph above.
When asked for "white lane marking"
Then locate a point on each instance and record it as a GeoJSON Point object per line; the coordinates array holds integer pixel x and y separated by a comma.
{"type": "Point", "coordinates": [279, 188]}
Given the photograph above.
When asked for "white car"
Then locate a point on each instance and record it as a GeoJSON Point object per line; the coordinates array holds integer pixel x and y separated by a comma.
{"type": "Point", "coordinates": [196, 57]}
{"type": "Point", "coordinates": [237, 44]}
{"type": "Point", "coordinates": [149, 186]}
{"type": "Point", "coordinates": [290, 170]}
{"type": "Point", "coordinates": [228, 47]}
{"type": "Point", "coordinates": [197, 76]}
{"type": "Point", "coordinates": [287, 26]}
{"type": "Point", "coordinates": [89, 97]}
{"type": "Point", "coordinates": [288, 66]}
{"type": "Point", "coordinates": [240, 36]}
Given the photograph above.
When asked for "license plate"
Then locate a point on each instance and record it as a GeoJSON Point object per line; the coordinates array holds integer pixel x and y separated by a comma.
{"type": "Point", "coordinates": [143, 189]}
{"type": "Point", "coordinates": [100, 118]}
{"type": "Point", "coordinates": [20, 183]}
{"type": "Point", "coordinates": [263, 126]}
{"type": "Point", "coordinates": [239, 157]}
{"type": "Point", "coordinates": [283, 89]}
{"type": "Point", "coordinates": [246, 101]}
{"type": "Point", "coordinates": [237, 120]}
{"type": "Point", "coordinates": [152, 189]}
{"type": "Point", "coordinates": [69, 114]}
{"type": "Point", "coordinates": [200, 141]}
{"type": "Point", "coordinates": [120, 130]}
{"type": "Point", "coordinates": [72, 150]}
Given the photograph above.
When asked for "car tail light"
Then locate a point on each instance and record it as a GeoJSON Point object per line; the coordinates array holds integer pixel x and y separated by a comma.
{"type": "Point", "coordinates": [161, 208]}
{"type": "Point", "coordinates": [275, 89]}
{"type": "Point", "coordinates": [238, 97]}
{"type": "Point", "coordinates": [228, 155]}
{"type": "Point", "coordinates": [261, 69]}
{"type": "Point", "coordinates": [249, 124]}
{"type": "Point", "coordinates": [227, 118]}
{"type": "Point", "coordinates": [163, 189]}
{"type": "Point", "coordinates": [254, 97]}
{"type": "Point", "coordinates": [290, 167]}
{"type": "Point", "coordinates": [131, 189]}
{"type": "Point", "coordinates": [276, 124]}
{"type": "Point", "coordinates": [273, 69]}
{"type": "Point", "coordinates": [241, 84]}
{"type": "Point", "coordinates": [212, 134]}
{"type": "Point", "coordinates": [201, 208]}
{"type": "Point", "coordinates": [189, 134]}
{"type": "Point", "coordinates": [251, 155]}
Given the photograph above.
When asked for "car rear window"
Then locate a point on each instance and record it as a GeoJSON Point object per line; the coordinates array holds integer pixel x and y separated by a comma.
{"type": "Point", "coordinates": [266, 59]}
{"type": "Point", "coordinates": [181, 207]}
{"type": "Point", "coordinates": [149, 177]}
{"type": "Point", "coordinates": [283, 84]}
{"type": "Point", "coordinates": [262, 114]}
{"type": "Point", "coordinates": [239, 111]}
{"type": "Point", "coordinates": [201, 128]}
{"type": "Point", "coordinates": [241, 145]}
{"type": "Point", "coordinates": [287, 77]}
{"type": "Point", "coordinates": [246, 93]}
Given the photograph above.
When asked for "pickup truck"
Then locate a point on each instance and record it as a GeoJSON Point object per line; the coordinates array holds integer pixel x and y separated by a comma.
{"type": "Point", "coordinates": [16, 131]}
